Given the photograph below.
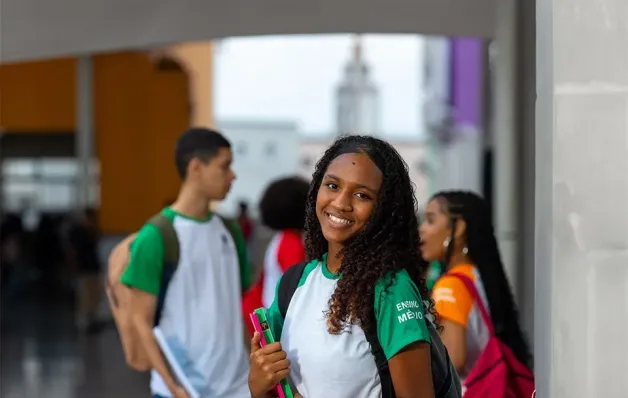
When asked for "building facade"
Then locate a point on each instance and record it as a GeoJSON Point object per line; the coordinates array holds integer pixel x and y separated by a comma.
{"type": "Point", "coordinates": [412, 150]}
{"type": "Point", "coordinates": [263, 150]}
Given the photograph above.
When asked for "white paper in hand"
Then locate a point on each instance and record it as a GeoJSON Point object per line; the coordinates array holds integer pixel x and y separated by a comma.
{"type": "Point", "coordinates": [175, 363]}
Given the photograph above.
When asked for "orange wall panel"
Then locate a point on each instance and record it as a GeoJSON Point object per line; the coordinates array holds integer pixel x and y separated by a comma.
{"type": "Point", "coordinates": [38, 96]}
{"type": "Point", "coordinates": [139, 114]}
{"type": "Point", "coordinates": [170, 117]}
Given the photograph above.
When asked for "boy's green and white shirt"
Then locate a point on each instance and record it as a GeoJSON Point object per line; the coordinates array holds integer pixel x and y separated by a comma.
{"type": "Point", "coordinates": [201, 313]}
{"type": "Point", "coordinates": [342, 365]}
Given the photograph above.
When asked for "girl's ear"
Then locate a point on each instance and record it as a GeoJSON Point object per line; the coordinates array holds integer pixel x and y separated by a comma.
{"type": "Point", "coordinates": [461, 229]}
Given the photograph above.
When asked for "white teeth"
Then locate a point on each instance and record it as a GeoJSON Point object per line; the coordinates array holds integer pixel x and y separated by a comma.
{"type": "Point", "coordinates": [338, 220]}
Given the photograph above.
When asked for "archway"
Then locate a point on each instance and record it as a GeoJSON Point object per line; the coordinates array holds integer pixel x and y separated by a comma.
{"type": "Point", "coordinates": [197, 60]}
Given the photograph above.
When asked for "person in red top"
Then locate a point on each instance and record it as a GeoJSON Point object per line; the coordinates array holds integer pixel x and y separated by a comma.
{"type": "Point", "coordinates": [282, 209]}
{"type": "Point", "coordinates": [245, 222]}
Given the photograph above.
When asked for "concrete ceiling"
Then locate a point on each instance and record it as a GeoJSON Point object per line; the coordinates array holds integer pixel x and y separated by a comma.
{"type": "Point", "coordinates": [34, 29]}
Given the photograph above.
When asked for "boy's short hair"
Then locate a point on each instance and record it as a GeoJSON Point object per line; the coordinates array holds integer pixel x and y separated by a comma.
{"type": "Point", "coordinates": [200, 143]}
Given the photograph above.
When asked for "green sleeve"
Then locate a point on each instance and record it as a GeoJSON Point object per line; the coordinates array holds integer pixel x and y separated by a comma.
{"type": "Point", "coordinates": [275, 320]}
{"type": "Point", "coordinates": [243, 255]}
{"type": "Point", "coordinates": [147, 261]}
{"type": "Point", "coordinates": [399, 314]}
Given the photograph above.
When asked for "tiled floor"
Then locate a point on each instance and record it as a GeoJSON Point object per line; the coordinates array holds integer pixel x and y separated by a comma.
{"type": "Point", "coordinates": [43, 356]}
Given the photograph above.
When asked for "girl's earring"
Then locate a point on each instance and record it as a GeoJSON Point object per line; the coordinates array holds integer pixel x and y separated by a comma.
{"type": "Point", "coordinates": [465, 250]}
{"type": "Point", "coordinates": [446, 243]}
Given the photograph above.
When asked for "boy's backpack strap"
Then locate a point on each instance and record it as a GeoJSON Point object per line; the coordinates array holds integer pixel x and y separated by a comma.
{"type": "Point", "coordinates": [169, 236]}
{"type": "Point", "coordinates": [171, 257]}
{"type": "Point", "coordinates": [288, 285]}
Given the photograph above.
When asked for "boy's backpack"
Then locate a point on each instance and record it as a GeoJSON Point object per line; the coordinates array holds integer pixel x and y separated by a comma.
{"type": "Point", "coordinates": [444, 376]}
{"type": "Point", "coordinates": [119, 294]}
{"type": "Point", "coordinates": [497, 372]}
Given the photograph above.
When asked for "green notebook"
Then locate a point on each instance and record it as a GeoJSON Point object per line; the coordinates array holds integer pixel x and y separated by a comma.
{"type": "Point", "coordinates": [260, 323]}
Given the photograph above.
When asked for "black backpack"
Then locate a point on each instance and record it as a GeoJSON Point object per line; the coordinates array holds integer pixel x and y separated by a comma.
{"type": "Point", "coordinates": [444, 376]}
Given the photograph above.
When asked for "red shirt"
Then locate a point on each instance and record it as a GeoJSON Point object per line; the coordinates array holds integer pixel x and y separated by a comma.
{"type": "Point", "coordinates": [284, 251]}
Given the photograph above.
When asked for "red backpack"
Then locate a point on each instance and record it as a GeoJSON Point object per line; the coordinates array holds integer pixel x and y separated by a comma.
{"type": "Point", "coordinates": [497, 372]}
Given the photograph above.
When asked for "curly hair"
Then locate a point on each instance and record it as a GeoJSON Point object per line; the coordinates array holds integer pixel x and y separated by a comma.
{"type": "Point", "coordinates": [283, 203]}
{"type": "Point", "coordinates": [484, 253]}
{"type": "Point", "coordinates": [387, 244]}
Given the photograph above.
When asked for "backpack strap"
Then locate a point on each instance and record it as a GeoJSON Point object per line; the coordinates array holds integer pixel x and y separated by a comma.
{"type": "Point", "coordinates": [171, 257]}
{"type": "Point", "coordinates": [443, 369]}
{"type": "Point", "coordinates": [444, 377]}
{"type": "Point", "coordinates": [388, 391]}
{"type": "Point", "coordinates": [470, 285]}
{"type": "Point", "coordinates": [230, 225]}
{"type": "Point", "coordinates": [169, 236]}
{"type": "Point", "coordinates": [288, 285]}
{"type": "Point", "coordinates": [245, 265]}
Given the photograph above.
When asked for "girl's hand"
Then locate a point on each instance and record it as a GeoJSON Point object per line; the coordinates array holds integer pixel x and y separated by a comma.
{"type": "Point", "coordinates": [268, 365]}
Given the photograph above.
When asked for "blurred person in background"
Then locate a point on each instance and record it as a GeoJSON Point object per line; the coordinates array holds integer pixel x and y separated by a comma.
{"type": "Point", "coordinates": [430, 271]}
{"type": "Point", "coordinates": [244, 221]}
{"type": "Point", "coordinates": [200, 314]}
{"type": "Point", "coordinates": [49, 255]}
{"type": "Point", "coordinates": [282, 209]}
{"type": "Point", "coordinates": [11, 256]}
{"type": "Point", "coordinates": [458, 232]}
{"type": "Point", "coordinates": [433, 272]}
{"type": "Point", "coordinates": [83, 241]}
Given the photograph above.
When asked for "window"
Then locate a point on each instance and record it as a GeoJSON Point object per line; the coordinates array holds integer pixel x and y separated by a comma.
{"type": "Point", "coordinates": [55, 195]}
{"type": "Point", "coordinates": [48, 183]}
{"type": "Point", "coordinates": [241, 148]}
{"type": "Point", "coordinates": [59, 168]}
{"type": "Point", "coordinates": [19, 168]}
{"type": "Point", "coordinates": [270, 149]}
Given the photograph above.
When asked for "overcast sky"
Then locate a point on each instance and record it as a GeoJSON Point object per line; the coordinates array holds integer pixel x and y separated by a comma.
{"type": "Point", "coordinates": [294, 78]}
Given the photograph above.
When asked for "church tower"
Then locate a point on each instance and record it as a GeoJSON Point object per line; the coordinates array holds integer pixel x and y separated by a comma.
{"type": "Point", "coordinates": [357, 97]}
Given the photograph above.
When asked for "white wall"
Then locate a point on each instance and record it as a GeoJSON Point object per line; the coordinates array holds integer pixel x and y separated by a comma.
{"type": "Point", "coordinates": [309, 153]}
{"type": "Point", "coordinates": [413, 152]}
{"type": "Point", "coordinates": [263, 151]}
{"type": "Point", "coordinates": [581, 199]}
{"type": "Point", "coordinates": [459, 164]}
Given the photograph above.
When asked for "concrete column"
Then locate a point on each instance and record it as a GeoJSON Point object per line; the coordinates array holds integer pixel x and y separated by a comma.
{"type": "Point", "coordinates": [506, 157]}
{"type": "Point", "coordinates": [526, 46]}
{"type": "Point", "coordinates": [436, 107]}
{"type": "Point", "coordinates": [84, 135]}
{"type": "Point", "coordinates": [581, 314]}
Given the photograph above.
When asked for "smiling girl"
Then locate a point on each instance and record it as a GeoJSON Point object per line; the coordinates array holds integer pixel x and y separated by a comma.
{"type": "Point", "coordinates": [361, 242]}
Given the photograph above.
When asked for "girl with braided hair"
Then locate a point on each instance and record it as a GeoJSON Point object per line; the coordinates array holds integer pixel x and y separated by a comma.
{"type": "Point", "coordinates": [361, 239]}
{"type": "Point", "coordinates": [457, 231]}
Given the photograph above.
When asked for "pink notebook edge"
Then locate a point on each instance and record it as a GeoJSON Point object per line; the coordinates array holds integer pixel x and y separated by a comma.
{"type": "Point", "coordinates": [258, 328]}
